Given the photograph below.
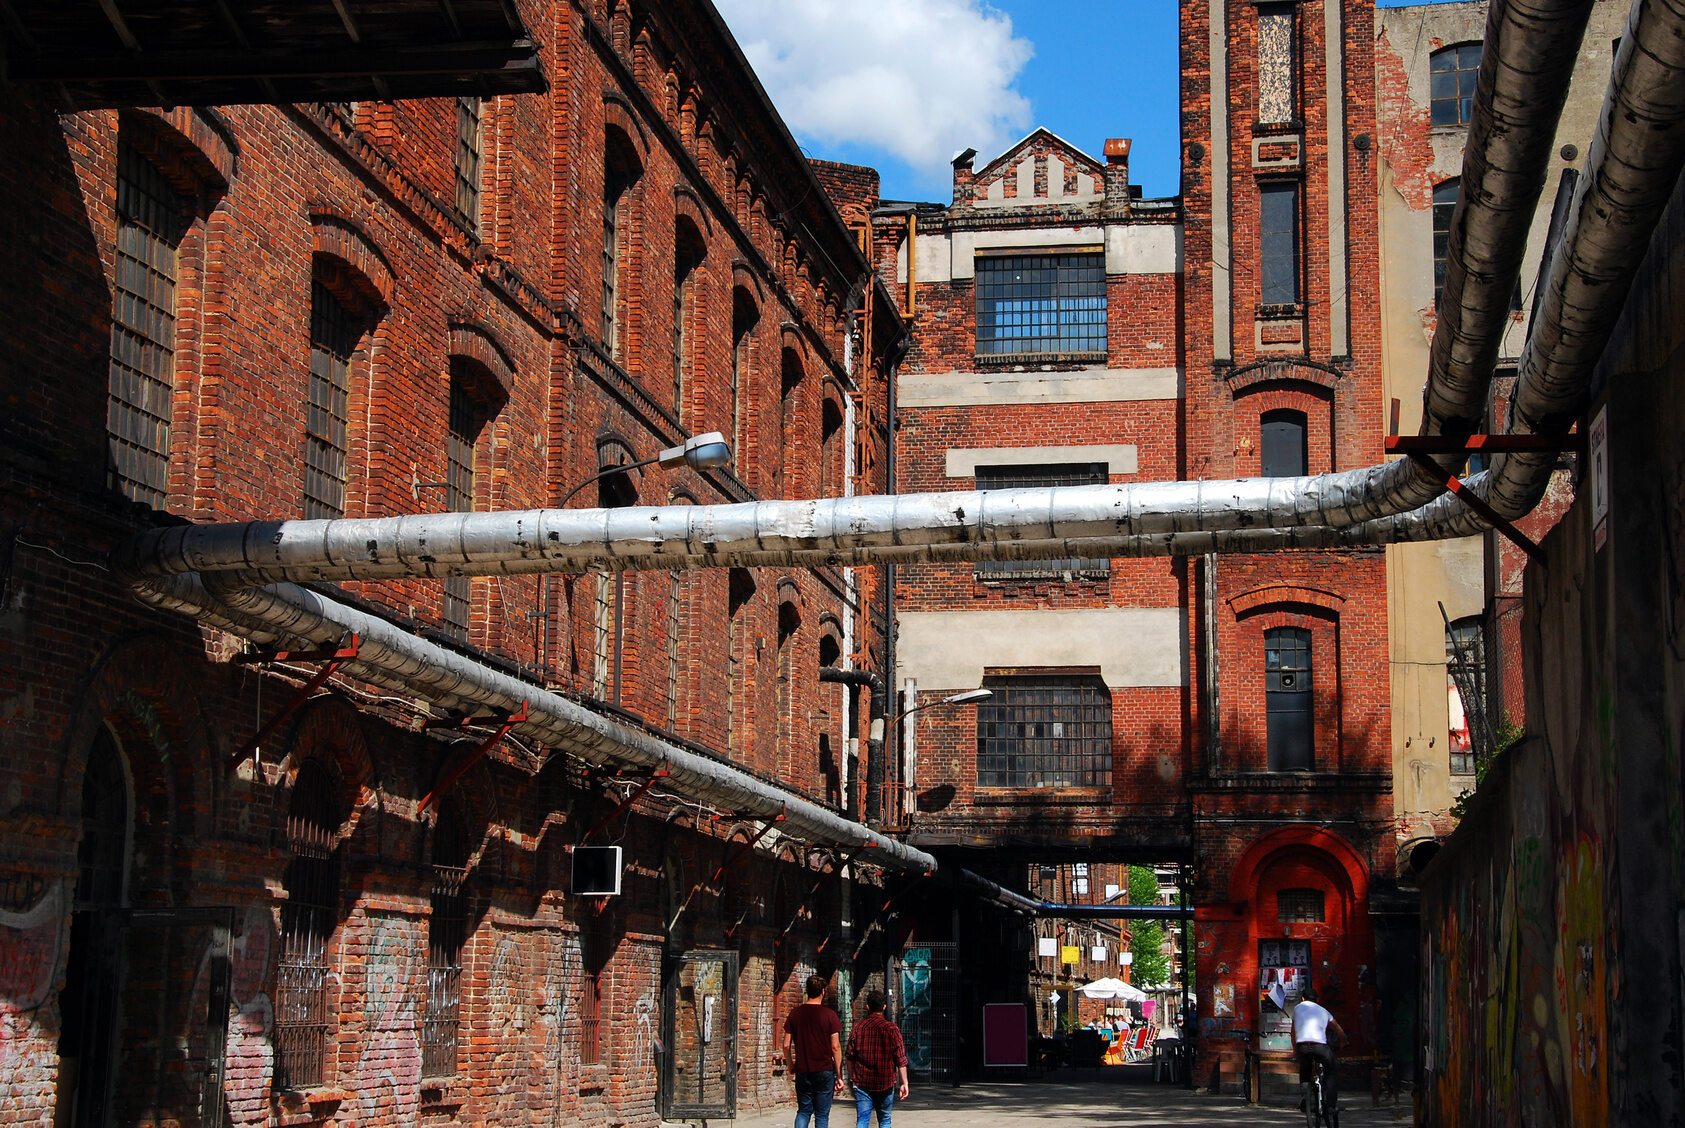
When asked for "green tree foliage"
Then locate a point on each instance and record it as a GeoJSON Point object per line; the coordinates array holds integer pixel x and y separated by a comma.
{"type": "Point", "coordinates": [1151, 966]}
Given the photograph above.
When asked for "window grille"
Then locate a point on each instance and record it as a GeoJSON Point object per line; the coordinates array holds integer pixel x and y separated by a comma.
{"type": "Point", "coordinates": [467, 418]}
{"type": "Point", "coordinates": [1452, 76]}
{"type": "Point", "coordinates": [447, 932]}
{"type": "Point", "coordinates": [1283, 449]}
{"type": "Point", "coordinates": [590, 1000]}
{"type": "Point", "coordinates": [614, 192]}
{"type": "Point", "coordinates": [333, 338]}
{"type": "Point", "coordinates": [603, 624]}
{"type": "Point", "coordinates": [468, 149]}
{"type": "Point", "coordinates": [675, 607]}
{"type": "Point", "coordinates": [149, 225]}
{"type": "Point", "coordinates": [1024, 477]}
{"type": "Point", "coordinates": [1300, 906]}
{"type": "Point", "coordinates": [1045, 732]}
{"type": "Point", "coordinates": [1278, 244]}
{"type": "Point", "coordinates": [1288, 699]}
{"type": "Point", "coordinates": [1032, 306]}
{"type": "Point", "coordinates": [1465, 665]}
{"type": "Point", "coordinates": [1277, 66]}
{"type": "Point", "coordinates": [303, 1022]}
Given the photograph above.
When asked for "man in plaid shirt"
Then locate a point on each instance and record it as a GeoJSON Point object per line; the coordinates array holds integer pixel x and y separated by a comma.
{"type": "Point", "coordinates": [877, 1059]}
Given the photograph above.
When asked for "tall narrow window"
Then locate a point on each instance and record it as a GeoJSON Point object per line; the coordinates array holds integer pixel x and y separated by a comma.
{"type": "Point", "coordinates": [789, 622]}
{"type": "Point", "coordinates": [1278, 244]}
{"type": "Point", "coordinates": [615, 185]}
{"type": "Point", "coordinates": [1444, 207]}
{"type": "Point", "coordinates": [447, 931]}
{"type": "Point", "coordinates": [1283, 449]}
{"type": "Point", "coordinates": [468, 149]}
{"type": "Point", "coordinates": [1465, 668]}
{"type": "Point", "coordinates": [739, 589]}
{"type": "Point", "coordinates": [592, 957]}
{"type": "Point", "coordinates": [303, 1022]}
{"type": "Point", "coordinates": [1067, 569]}
{"type": "Point", "coordinates": [602, 650]}
{"type": "Point", "coordinates": [1277, 64]}
{"type": "Point", "coordinates": [1048, 731]}
{"type": "Point", "coordinates": [333, 338]}
{"type": "Point", "coordinates": [831, 471]}
{"type": "Point", "coordinates": [1036, 305]}
{"type": "Point", "coordinates": [675, 608]}
{"type": "Point", "coordinates": [744, 315]}
{"type": "Point", "coordinates": [1287, 698]}
{"type": "Point", "coordinates": [149, 226]}
{"type": "Point", "coordinates": [467, 419]}
{"type": "Point", "coordinates": [685, 264]}
{"type": "Point", "coordinates": [1452, 76]}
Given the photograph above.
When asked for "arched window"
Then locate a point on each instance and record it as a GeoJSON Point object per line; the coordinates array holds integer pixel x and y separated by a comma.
{"type": "Point", "coordinates": [469, 147]}
{"type": "Point", "coordinates": [789, 623]}
{"type": "Point", "coordinates": [1452, 74]}
{"type": "Point", "coordinates": [791, 372]}
{"type": "Point", "coordinates": [744, 314]}
{"type": "Point", "coordinates": [447, 930]}
{"type": "Point", "coordinates": [621, 170]}
{"type": "Point", "coordinates": [1444, 207]}
{"type": "Point", "coordinates": [472, 407]}
{"type": "Point", "coordinates": [688, 253]}
{"type": "Point", "coordinates": [150, 224]}
{"type": "Point", "coordinates": [1288, 702]}
{"type": "Point", "coordinates": [335, 330]}
{"type": "Point", "coordinates": [739, 589]}
{"type": "Point", "coordinates": [303, 1020]}
{"type": "Point", "coordinates": [1284, 451]}
{"type": "Point", "coordinates": [831, 469]}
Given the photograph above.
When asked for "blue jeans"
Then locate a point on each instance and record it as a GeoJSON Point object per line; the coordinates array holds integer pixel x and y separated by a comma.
{"type": "Point", "coordinates": [865, 1103]}
{"type": "Point", "coordinates": [813, 1098]}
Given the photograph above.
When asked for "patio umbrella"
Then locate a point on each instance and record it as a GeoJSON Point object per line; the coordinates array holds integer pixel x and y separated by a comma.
{"type": "Point", "coordinates": [1109, 988]}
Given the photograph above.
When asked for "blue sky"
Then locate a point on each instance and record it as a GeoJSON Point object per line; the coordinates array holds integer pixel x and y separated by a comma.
{"type": "Point", "coordinates": [902, 85]}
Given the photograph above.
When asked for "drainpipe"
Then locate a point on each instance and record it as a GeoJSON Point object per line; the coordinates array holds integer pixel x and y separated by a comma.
{"type": "Point", "coordinates": [874, 740]}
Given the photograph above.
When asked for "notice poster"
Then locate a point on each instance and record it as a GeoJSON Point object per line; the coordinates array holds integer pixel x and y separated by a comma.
{"type": "Point", "coordinates": [1284, 971]}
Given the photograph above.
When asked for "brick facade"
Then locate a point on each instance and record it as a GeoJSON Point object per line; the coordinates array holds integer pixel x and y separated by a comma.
{"type": "Point", "coordinates": [360, 201]}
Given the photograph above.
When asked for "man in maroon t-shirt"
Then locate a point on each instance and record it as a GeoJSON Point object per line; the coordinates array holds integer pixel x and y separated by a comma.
{"type": "Point", "coordinates": [813, 1055]}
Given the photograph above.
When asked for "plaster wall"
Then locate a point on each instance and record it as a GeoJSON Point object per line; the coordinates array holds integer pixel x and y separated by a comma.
{"type": "Point", "coordinates": [1133, 646]}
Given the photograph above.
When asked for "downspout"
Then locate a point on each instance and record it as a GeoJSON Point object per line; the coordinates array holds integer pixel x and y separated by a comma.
{"type": "Point", "coordinates": [873, 815]}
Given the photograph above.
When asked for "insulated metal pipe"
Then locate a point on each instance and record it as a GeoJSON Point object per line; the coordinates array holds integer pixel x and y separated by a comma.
{"type": "Point", "coordinates": [878, 700]}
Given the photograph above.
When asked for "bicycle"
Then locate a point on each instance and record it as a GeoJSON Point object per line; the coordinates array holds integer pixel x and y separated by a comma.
{"type": "Point", "coordinates": [1319, 1113]}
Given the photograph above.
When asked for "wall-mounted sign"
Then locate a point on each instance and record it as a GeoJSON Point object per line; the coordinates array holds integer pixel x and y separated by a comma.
{"type": "Point", "coordinates": [1069, 954]}
{"type": "Point", "coordinates": [1047, 946]}
{"type": "Point", "coordinates": [1598, 451]}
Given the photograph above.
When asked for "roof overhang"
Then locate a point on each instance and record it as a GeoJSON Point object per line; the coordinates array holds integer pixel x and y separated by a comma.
{"type": "Point", "coordinates": [89, 54]}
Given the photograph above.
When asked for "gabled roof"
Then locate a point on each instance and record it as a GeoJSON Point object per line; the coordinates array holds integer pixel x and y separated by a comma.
{"type": "Point", "coordinates": [1045, 138]}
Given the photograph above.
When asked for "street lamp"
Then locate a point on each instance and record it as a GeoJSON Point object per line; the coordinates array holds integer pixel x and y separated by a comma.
{"type": "Point", "coordinates": [966, 697]}
{"type": "Point", "coordinates": [707, 451]}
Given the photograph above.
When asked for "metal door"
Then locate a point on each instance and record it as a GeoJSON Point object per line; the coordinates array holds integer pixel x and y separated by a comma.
{"type": "Point", "coordinates": [172, 1025]}
{"type": "Point", "coordinates": [926, 978]}
{"type": "Point", "coordinates": [699, 1068]}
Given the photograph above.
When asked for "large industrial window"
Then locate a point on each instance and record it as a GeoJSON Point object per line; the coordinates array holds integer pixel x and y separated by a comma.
{"type": "Point", "coordinates": [1040, 305]}
{"type": "Point", "coordinates": [333, 338]}
{"type": "Point", "coordinates": [1023, 477]}
{"type": "Point", "coordinates": [1288, 699]}
{"type": "Point", "coordinates": [468, 150]}
{"type": "Point", "coordinates": [149, 225]}
{"type": "Point", "coordinates": [447, 931]}
{"type": "Point", "coordinates": [467, 419]}
{"type": "Point", "coordinates": [1283, 450]}
{"type": "Point", "coordinates": [303, 1022]}
{"type": "Point", "coordinates": [1278, 244]}
{"type": "Point", "coordinates": [1045, 731]}
{"type": "Point", "coordinates": [1277, 70]}
{"type": "Point", "coordinates": [1452, 75]}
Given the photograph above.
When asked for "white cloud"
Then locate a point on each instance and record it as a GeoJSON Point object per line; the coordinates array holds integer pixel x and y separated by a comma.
{"type": "Point", "coordinates": [920, 79]}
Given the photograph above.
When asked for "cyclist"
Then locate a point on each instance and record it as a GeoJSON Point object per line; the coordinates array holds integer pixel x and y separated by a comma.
{"type": "Point", "coordinates": [1311, 1026]}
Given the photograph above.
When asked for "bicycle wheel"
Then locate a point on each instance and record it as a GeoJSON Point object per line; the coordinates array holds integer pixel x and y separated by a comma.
{"type": "Point", "coordinates": [1313, 1102]}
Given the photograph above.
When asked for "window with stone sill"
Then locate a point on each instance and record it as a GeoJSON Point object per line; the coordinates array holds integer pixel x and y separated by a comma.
{"type": "Point", "coordinates": [1035, 307]}
{"type": "Point", "coordinates": [1067, 570]}
{"type": "Point", "coordinates": [1045, 731]}
{"type": "Point", "coordinates": [1278, 248]}
{"type": "Point", "coordinates": [1453, 73]}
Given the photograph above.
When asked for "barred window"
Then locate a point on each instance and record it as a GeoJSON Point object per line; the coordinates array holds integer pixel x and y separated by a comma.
{"type": "Point", "coordinates": [616, 183]}
{"type": "Point", "coordinates": [1024, 477]}
{"type": "Point", "coordinates": [468, 147]}
{"type": "Point", "coordinates": [675, 608]}
{"type": "Point", "coordinates": [1277, 65]}
{"type": "Point", "coordinates": [603, 634]}
{"type": "Point", "coordinates": [592, 955]}
{"type": "Point", "coordinates": [1278, 244]}
{"type": "Point", "coordinates": [1300, 906]}
{"type": "Point", "coordinates": [468, 417]}
{"type": "Point", "coordinates": [303, 1021]}
{"type": "Point", "coordinates": [149, 226]}
{"type": "Point", "coordinates": [447, 931]}
{"type": "Point", "coordinates": [333, 338]}
{"type": "Point", "coordinates": [1045, 731]}
{"type": "Point", "coordinates": [1041, 305]}
{"type": "Point", "coordinates": [1287, 699]}
{"type": "Point", "coordinates": [1452, 75]}
{"type": "Point", "coordinates": [1465, 668]}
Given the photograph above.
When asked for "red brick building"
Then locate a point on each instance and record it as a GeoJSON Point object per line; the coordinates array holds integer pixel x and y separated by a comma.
{"type": "Point", "coordinates": [384, 307]}
{"type": "Point", "coordinates": [1227, 715]}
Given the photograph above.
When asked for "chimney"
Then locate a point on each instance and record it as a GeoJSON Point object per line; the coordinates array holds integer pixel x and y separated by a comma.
{"type": "Point", "coordinates": [962, 177]}
{"type": "Point", "coordinates": [1117, 174]}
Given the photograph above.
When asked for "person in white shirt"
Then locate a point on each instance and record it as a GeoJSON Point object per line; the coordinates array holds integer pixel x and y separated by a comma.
{"type": "Point", "coordinates": [1311, 1026]}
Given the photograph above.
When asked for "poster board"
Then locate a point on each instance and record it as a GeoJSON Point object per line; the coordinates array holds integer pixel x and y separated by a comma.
{"type": "Point", "coordinates": [1284, 971]}
{"type": "Point", "coordinates": [1005, 1035]}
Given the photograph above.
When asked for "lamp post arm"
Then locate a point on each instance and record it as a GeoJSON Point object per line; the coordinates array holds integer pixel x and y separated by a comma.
{"type": "Point", "coordinates": [603, 473]}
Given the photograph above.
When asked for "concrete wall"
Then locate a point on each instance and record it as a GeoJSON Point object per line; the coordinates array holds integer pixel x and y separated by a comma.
{"type": "Point", "coordinates": [1551, 926]}
{"type": "Point", "coordinates": [1414, 157]}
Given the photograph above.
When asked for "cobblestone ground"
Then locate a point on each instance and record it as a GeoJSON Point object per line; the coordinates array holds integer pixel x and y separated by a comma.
{"type": "Point", "coordinates": [1122, 1097]}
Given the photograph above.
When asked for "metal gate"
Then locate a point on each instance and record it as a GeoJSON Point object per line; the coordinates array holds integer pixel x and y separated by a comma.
{"type": "Point", "coordinates": [170, 1029]}
{"type": "Point", "coordinates": [699, 1068]}
{"type": "Point", "coordinates": [926, 979]}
